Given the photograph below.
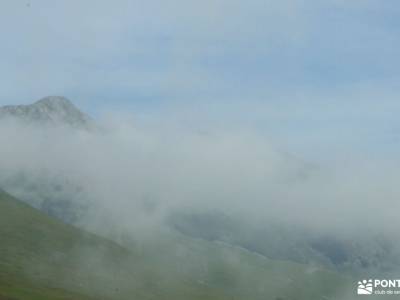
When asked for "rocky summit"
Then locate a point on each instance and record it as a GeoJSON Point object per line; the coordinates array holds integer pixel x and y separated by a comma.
{"type": "Point", "coordinates": [53, 110]}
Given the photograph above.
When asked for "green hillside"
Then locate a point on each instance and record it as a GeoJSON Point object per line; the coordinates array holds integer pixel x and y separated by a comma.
{"type": "Point", "coordinates": [42, 258]}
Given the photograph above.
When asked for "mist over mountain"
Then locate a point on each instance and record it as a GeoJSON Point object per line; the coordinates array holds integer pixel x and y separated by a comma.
{"type": "Point", "coordinates": [231, 187]}
{"type": "Point", "coordinates": [51, 110]}
{"type": "Point", "coordinates": [52, 260]}
{"type": "Point", "coordinates": [199, 150]}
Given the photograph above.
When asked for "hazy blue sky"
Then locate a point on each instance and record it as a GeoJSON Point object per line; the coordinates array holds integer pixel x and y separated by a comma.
{"type": "Point", "coordinates": [314, 75]}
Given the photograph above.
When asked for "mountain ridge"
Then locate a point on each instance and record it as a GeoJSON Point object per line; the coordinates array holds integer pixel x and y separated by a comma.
{"type": "Point", "coordinates": [42, 258]}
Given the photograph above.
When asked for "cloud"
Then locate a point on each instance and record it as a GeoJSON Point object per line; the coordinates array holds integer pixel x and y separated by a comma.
{"type": "Point", "coordinates": [135, 176]}
{"type": "Point", "coordinates": [301, 76]}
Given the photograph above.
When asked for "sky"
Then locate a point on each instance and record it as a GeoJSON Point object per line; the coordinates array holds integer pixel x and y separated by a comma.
{"type": "Point", "coordinates": [317, 77]}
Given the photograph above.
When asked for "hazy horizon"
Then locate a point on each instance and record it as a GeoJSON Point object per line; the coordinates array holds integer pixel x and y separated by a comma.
{"type": "Point", "coordinates": [210, 141]}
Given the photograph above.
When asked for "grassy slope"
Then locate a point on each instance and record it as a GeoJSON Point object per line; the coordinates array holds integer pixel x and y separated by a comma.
{"type": "Point", "coordinates": [42, 258]}
{"type": "Point", "coordinates": [34, 249]}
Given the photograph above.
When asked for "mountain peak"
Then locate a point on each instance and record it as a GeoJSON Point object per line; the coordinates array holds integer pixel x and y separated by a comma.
{"type": "Point", "coordinates": [57, 104]}
{"type": "Point", "coordinates": [54, 100]}
{"type": "Point", "coordinates": [54, 110]}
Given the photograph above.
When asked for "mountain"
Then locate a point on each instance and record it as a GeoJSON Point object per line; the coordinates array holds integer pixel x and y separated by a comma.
{"type": "Point", "coordinates": [371, 254]}
{"type": "Point", "coordinates": [42, 258]}
{"type": "Point", "coordinates": [52, 110]}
